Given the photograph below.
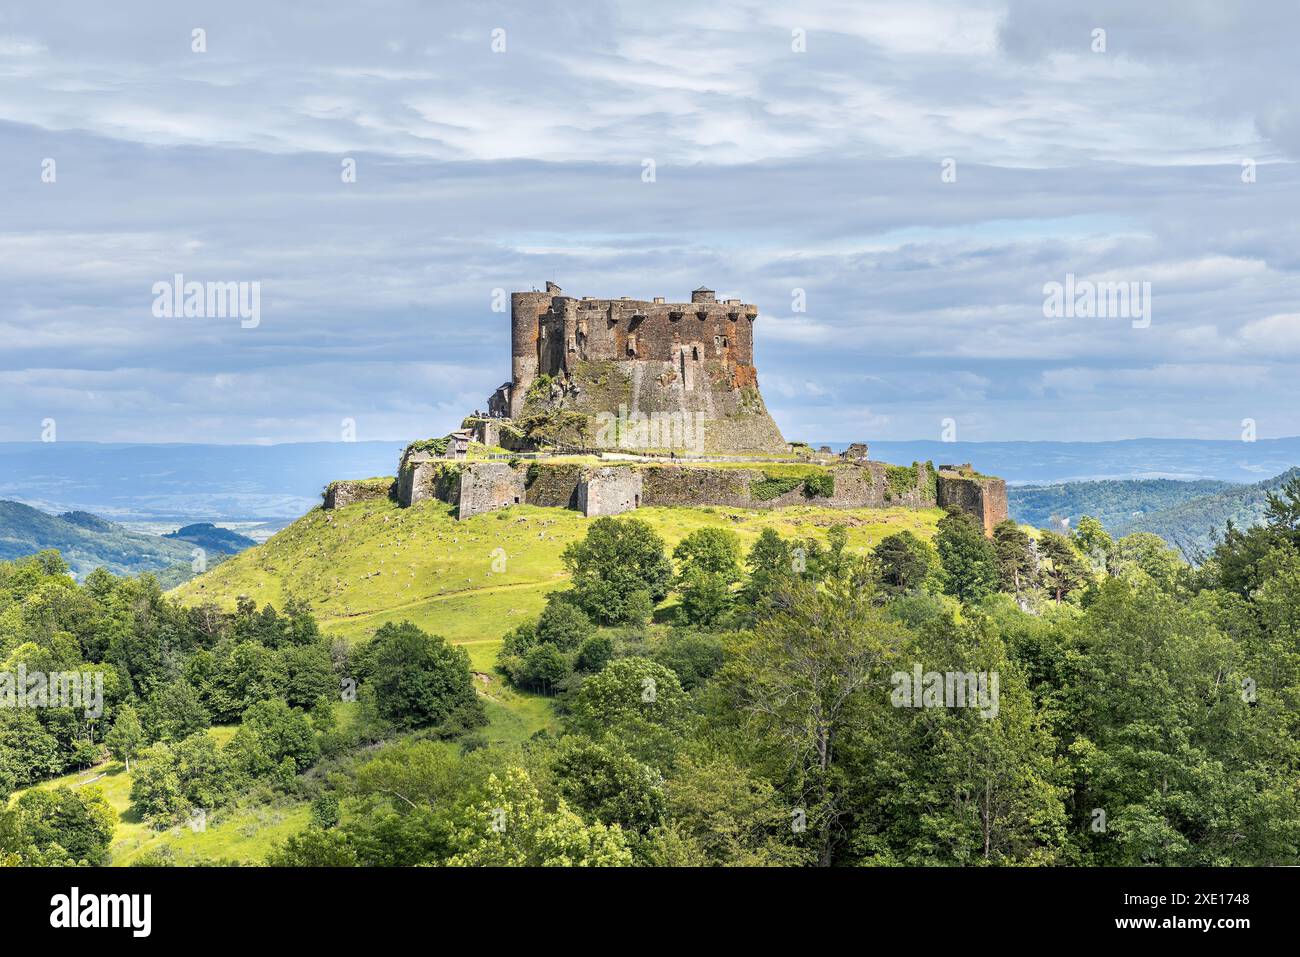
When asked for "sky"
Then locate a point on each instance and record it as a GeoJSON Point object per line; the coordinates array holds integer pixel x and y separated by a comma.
{"type": "Point", "coordinates": [915, 173]}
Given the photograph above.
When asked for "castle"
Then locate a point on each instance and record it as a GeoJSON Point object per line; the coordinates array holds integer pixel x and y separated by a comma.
{"type": "Point", "coordinates": [597, 357]}
{"type": "Point", "coordinates": [625, 381]}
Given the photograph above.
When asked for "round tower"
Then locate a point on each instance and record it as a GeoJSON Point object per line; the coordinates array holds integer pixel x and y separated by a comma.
{"type": "Point", "coordinates": [525, 310]}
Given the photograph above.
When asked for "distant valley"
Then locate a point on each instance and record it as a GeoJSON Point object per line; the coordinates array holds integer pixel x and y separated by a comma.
{"type": "Point", "coordinates": [87, 542]}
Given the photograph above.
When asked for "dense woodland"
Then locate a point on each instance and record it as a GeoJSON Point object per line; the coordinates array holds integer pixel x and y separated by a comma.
{"type": "Point", "coordinates": [716, 707]}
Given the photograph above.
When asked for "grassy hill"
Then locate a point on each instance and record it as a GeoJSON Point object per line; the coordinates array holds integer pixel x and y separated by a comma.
{"type": "Point", "coordinates": [221, 541]}
{"type": "Point", "coordinates": [88, 542]}
{"type": "Point", "coordinates": [471, 581]}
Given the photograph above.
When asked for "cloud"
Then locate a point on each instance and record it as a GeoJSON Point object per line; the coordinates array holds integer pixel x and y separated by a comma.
{"type": "Point", "coordinates": [776, 170]}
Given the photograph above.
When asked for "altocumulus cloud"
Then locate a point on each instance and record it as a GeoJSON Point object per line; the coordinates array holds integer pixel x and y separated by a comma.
{"type": "Point", "coordinates": [776, 170]}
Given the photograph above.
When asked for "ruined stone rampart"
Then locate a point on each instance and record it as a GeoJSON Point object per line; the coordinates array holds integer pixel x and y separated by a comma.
{"type": "Point", "coordinates": [349, 491]}
{"type": "Point", "coordinates": [610, 491]}
{"type": "Point", "coordinates": [983, 496]}
{"type": "Point", "coordinates": [478, 487]}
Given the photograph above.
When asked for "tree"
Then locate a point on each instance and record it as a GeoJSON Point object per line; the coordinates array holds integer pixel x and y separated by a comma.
{"type": "Point", "coordinates": [156, 787]}
{"type": "Point", "coordinates": [411, 679]}
{"type": "Point", "coordinates": [512, 828]}
{"type": "Point", "coordinates": [308, 673]}
{"type": "Point", "coordinates": [313, 847]}
{"type": "Point", "coordinates": [325, 810]}
{"type": "Point", "coordinates": [28, 751]}
{"type": "Point", "coordinates": [807, 682]}
{"type": "Point", "coordinates": [629, 693]}
{"type": "Point", "coordinates": [1063, 571]}
{"type": "Point", "coordinates": [58, 827]}
{"type": "Point", "coordinates": [1094, 542]}
{"type": "Point", "coordinates": [175, 711]}
{"type": "Point", "coordinates": [969, 560]}
{"type": "Point", "coordinates": [693, 656]}
{"type": "Point", "coordinates": [731, 815]}
{"type": "Point", "coordinates": [608, 784]}
{"type": "Point", "coordinates": [1149, 554]}
{"type": "Point", "coordinates": [769, 563]}
{"type": "Point", "coordinates": [905, 562]}
{"type": "Point", "coordinates": [203, 770]}
{"type": "Point", "coordinates": [616, 560]}
{"type": "Point", "coordinates": [543, 668]}
{"type": "Point", "coordinates": [594, 653]}
{"type": "Point", "coordinates": [708, 565]}
{"type": "Point", "coordinates": [126, 737]}
{"type": "Point", "coordinates": [270, 733]}
{"type": "Point", "coordinates": [563, 624]}
{"type": "Point", "coordinates": [1017, 559]}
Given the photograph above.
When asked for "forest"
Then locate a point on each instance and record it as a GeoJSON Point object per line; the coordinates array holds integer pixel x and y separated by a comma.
{"type": "Point", "coordinates": [717, 707]}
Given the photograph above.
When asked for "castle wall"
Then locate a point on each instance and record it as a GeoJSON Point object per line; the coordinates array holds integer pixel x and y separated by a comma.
{"type": "Point", "coordinates": [628, 329]}
{"type": "Point", "coordinates": [477, 487]}
{"type": "Point", "coordinates": [610, 491]}
{"type": "Point", "coordinates": [488, 486]}
{"type": "Point", "coordinates": [984, 498]}
{"type": "Point", "coordinates": [347, 492]}
{"type": "Point", "coordinates": [554, 486]}
{"type": "Point", "coordinates": [419, 477]}
{"type": "Point", "coordinates": [855, 487]}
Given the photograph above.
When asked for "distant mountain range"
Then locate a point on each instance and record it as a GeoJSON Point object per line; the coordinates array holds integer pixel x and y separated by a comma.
{"type": "Point", "coordinates": [185, 483]}
{"type": "Point", "coordinates": [87, 542]}
{"type": "Point", "coordinates": [1113, 502]}
{"type": "Point", "coordinates": [1190, 523]}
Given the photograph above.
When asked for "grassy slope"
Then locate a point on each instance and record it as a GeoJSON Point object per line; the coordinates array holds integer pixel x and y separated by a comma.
{"type": "Point", "coordinates": [246, 831]}
{"type": "Point", "coordinates": [373, 562]}
{"type": "Point", "coordinates": [436, 572]}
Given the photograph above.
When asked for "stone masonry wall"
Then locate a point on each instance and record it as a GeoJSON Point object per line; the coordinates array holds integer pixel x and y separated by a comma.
{"type": "Point", "coordinates": [610, 491]}
{"type": "Point", "coordinates": [346, 492]}
{"type": "Point", "coordinates": [553, 486]}
{"type": "Point", "coordinates": [985, 498]}
{"type": "Point", "coordinates": [488, 486]}
{"type": "Point", "coordinates": [477, 487]}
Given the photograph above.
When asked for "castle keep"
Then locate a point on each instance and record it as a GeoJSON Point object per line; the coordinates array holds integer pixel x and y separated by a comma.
{"type": "Point", "coordinates": [584, 365]}
{"type": "Point", "coordinates": [597, 357]}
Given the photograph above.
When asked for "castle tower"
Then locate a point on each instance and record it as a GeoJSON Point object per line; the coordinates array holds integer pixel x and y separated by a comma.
{"type": "Point", "coordinates": [526, 309]}
{"type": "Point", "coordinates": [684, 362]}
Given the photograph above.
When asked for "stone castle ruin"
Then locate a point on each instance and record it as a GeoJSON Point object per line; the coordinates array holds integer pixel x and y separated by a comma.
{"type": "Point", "coordinates": [689, 365]}
{"type": "Point", "coordinates": [591, 370]}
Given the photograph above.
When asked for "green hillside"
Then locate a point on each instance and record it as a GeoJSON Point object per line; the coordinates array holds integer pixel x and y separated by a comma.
{"type": "Point", "coordinates": [1191, 524]}
{"type": "Point", "coordinates": [470, 581]}
{"type": "Point", "coordinates": [88, 542]}
{"type": "Point", "coordinates": [1113, 502]}
{"type": "Point", "coordinates": [221, 541]}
